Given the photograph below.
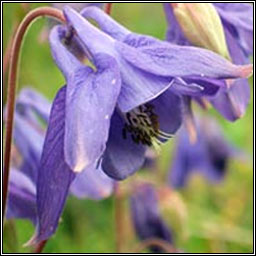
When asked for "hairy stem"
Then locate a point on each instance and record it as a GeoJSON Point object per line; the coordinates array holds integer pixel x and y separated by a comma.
{"type": "Point", "coordinates": [13, 73]}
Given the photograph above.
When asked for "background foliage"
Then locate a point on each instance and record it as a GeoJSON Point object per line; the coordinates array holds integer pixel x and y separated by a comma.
{"type": "Point", "coordinates": [213, 218]}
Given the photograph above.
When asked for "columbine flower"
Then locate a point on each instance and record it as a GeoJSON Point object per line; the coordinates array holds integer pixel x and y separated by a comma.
{"type": "Point", "coordinates": [146, 216]}
{"type": "Point", "coordinates": [236, 33]}
{"type": "Point", "coordinates": [106, 115]}
{"type": "Point", "coordinates": [209, 155]}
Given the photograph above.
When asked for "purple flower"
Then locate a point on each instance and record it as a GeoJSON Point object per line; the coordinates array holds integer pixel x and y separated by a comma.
{"type": "Point", "coordinates": [22, 197]}
{"type": "Point", "coordinates": [111, 111]}
{"type": "Point", "coordinates": [237, 20]}
{"type": "Point", "coordinates": [209, 155]}
{"type": "Point", "coordinates": [146, 216]}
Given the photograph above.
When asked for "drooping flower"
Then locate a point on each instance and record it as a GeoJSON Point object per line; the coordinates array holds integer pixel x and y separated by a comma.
{"type": "Point", "coordinates": [209, 156]}
{"type": "Point", "coordinates": [146, 216]}
{"type": "Point", "coordinates": [237, 28]}
{"type": "Point", "coordinates": [109, 112]}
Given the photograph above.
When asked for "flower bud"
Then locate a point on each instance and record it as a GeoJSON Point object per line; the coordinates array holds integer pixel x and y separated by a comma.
{"type": "Point", "coordinates": [202, 26]}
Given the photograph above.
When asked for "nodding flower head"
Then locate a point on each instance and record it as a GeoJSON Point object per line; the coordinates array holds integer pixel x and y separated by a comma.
{"type": "Point", "coordinates": [110, 110]}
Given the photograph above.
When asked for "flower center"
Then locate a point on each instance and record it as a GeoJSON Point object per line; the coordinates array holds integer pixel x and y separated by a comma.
{"type": "Point", "coordinates": [143, 126]}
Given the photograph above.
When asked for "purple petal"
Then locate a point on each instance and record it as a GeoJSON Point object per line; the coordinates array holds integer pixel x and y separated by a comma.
{"type": "Point", "coordinates": [238, 19]}
{"type": "Point", "coordinates": [146, 217]}
{"type": "Point", "coordinates": [92, 183]}
{"type": "Point", "coordinates": [169, 60]}
{"type": "Point", "coordinates": [123, 156]}
{"type": "Point", "coordinates": [197, 86]}
{"type": "Point", "coordinates": [180, 168]}
{"type": "Point", "coordinates": [34, 100]}
{"type": "Point", "coordinates": [91, 99]}
{"type": "Point", "coordinates": [137, 40]}
{"type": "Point", "coordinates": [209, 155]}
{"type": "Point", "coordinates": [54, 177]}
{"type": "Point", "coordinates": [29, 142]}
{"type": "Point", "coordinates": [174, 33]}
{"type": "Point", "coordinates": [66, 61]}
{"type": "Point", "coordinates": [105, 22]}
{"type": "Point", "coordinates": [76, 6]}
{"type": "Point", "coordinates": [168, 110]}
{"type": "Point", "coordinates": [22, 197]}
{"type": "Point", "coordinates": [139, 87]}
{"type": "Point", "coordinates": [232, 103]}
{"type": "Point", "coordinates": [94, 39]}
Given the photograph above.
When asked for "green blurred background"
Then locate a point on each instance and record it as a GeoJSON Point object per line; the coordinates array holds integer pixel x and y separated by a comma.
{"type": "Point", "coordinates": [204, 217]}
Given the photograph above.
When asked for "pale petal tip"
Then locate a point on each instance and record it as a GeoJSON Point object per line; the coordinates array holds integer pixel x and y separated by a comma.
{"type": "Point", "coordinates": [246, 71]}
{"type": "Point", "coordinates": [31, 242]}
{"type": "Point", "coordinates": [78, 168]}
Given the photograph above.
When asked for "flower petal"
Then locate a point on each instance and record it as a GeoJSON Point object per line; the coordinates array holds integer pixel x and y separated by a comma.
{"type": "Point", "coordinates": [123, 156]}
{"type": "Point", "coordinates": [90, 103]}
{"type": "Point", "coordinates": [168, 109]}
{"type": "Point", "coordinates": [137, 40]}
{"type": "Point", "coordinates": [29, 142]}
{"type": "Point", "coordinates": [105, 22]}
{"type": "Point", "coordinates": [238, 19]}
{"type": "Point", "coordinates": [93, 38]}
{"type": "Point", "coordinates": [145, 215]}
{"type": "Point", "coordinates": [232, 102]}
{"type": "Point", "coordinates": [76, 6]}
{"type": "Point", "coordinates": [35, 101]}
{"type": "Point", "coordinates": [92, 183]}
{"type": "Point", "coordinates": [55, 176]}
{"type": "Point", "coordinates": [66, 61]}
{"type": "Point", "coordinates": [22, 197]}
{"type": "Point", "coordinates": [197, 86]}
{"type": "Point", "coordinates": [181, 167]}
{"type": "Point", "coordinates": [174, 33]}
{"type": "Point", "coordinates": [139, 87]}
{"type": "Point", "coordinates": [165, 59]}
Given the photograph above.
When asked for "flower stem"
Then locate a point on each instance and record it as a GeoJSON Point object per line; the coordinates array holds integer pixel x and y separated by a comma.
{"type": "Point", "coordinates": [165, 246]}
{"type": "Point", "coordinates": [13, 73]}
{"type": "Point", "coordinates": [119, 218]}
{"type": "Point", "coordinates": [7, 54]}
{"type": "Point", "coordinates": [108, 8]}
{"type": "Point", "coordinates": [40, 246]}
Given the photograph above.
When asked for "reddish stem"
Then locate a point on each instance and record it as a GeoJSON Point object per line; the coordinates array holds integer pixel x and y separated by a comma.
{"type": "Point", "coordinates": [40, 246]}
{"type": "Point", "coordinates": [108, 8]}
